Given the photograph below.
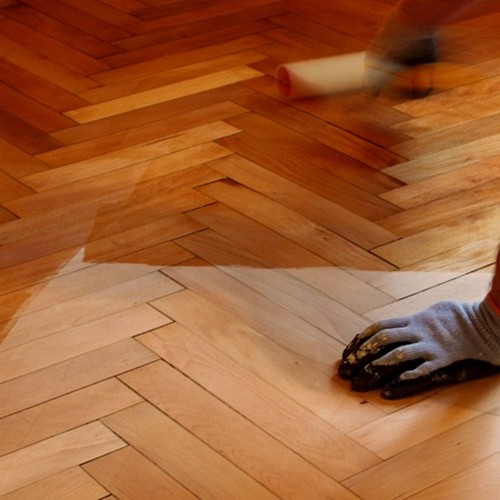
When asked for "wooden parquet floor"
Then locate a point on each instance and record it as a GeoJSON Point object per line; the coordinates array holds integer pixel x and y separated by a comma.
{"type": "Point", "coordinates": [184, 253]}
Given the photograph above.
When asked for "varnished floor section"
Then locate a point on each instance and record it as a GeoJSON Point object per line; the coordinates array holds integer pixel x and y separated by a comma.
{"type": "Point", "coordinates": [184, 254]}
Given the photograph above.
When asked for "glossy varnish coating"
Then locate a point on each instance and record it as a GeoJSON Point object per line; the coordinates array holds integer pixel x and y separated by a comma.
{"type": "Point", "coordinates": [184, 254]}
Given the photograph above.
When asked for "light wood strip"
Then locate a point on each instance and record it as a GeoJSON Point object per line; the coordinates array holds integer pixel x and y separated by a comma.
{"type": "Point", "coordinates": [437, 240]}
{"type": "Point", "coordinates": [74, 483]}
{"type": "Point", "coordinates": [411, 426]}
{"type": "Point", "coordinates": [282, 288]}
{"type": "Point", "coordinates": [474, 200]}
{"type": "Point", "coordinates": [255, 351]}
{"type": "Point", "coordinates": [267, 407]}
{"type": "Point", "coordinates": [199, 468]}
{"type": "Point", "coordinates": [468, 288]}
{"type": "Point", "coordinates": [472, 256]}
{"type": "Point", "coordinates": [279, 469]}
{"type": "Point", "coordinates": [162, 78]}
{"type": "Point", "coordinates": [481, 482]}
{"type": "Point", "coordinates": [70, 313]}
{"type": "Point", "coordinates": [447, 160]}
{"type": "Point", "coordinates": [447, 184]}
{"type": "Point", "coordinates": [63, 414]}
{"type": "Point", "coordinates": [55, 455]}
{"type": "Point", "coordinates": [260, 313]}
{"type": "Point", "coordinates": [122, 184]}
{"type": "Point", "coordinates": [432, 461]}
{"type": "Point", "coordinates": [161, 94]}
{"type": "Point", "coordinates": [72, 374]}
{"type": "Point", "coordinates": [124, 157]}
{"type": "Point", "coordinates": [79, 340]}
{"type": "Point", "coordinates": [128, 474]}
{"type": "Point", "coordinates": [149, 124]}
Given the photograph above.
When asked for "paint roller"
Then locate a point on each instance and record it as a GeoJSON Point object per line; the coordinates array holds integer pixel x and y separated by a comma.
{"type": "Point", "coordinates": [362, 70]}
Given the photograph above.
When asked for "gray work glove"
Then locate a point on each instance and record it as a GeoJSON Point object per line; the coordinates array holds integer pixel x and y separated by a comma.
{"type": "Point", "coordinates": [447, 343]}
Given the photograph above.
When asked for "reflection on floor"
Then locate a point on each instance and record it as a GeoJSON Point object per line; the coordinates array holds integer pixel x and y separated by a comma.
{"type": "Point", "coordinates": [184, 254]}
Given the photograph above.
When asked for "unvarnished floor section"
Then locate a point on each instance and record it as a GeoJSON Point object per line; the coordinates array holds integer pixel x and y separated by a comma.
{"type": "Point", "coordinates": [184, 254]}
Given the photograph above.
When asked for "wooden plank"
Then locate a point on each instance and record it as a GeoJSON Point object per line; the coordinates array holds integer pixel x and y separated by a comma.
{"type": "Point", "coordinates": [56, 454]}
{"type": "Point", "coordinates": [73, 483]}
{"type": "Point", "coordinates": [447, 160]}
{"type": "Point", "coordinates": [84, 243]}
{"type": "Point", "coordinates": [28, 358]}
{"type": "Point", "coordinates": [305, 172]}
{"type": "Point", "coordinates": [411, 426]}
{"type": "Point", "coordinates": [468, 288]}
{"type": "Point", "coordinates": [432, 461]}
{"type": "Point", "coordinates": [106, 13]}
{"type": "Point", "coordinates": [314, 128]}
{"type": "Point", "coordinates": [440, 268]}
{"type": "Point", "coordinates": [141, 69]}
{"type": "Point", "coordinates": [18, 163]}
{"type": "Point", "coordinates": [207, 13]}
{"type": "Point", "coordinates": [72, 36]}
{"type": "Point", "coordinates": [280, 470]}
{"type": "Point", "coordinates": [10, 188]}
{"type": "Point", "coordinates": [481, 481]}
{"type": "Point", "coordinates": [447, 184]}
{"type": "Point", "coordinates": [441, 238]}
{"type": "Point", "coordinates": [25, 274]}
{"type": "Point", "coordinates": [293, 226]}
{"type": "Point", "coordinates": [325, 212]}
{"type": "Point", "coordinates": [435, 213]}
{"type": "Point", "coordinates": [282, 288]}
{"type": "Point", "coordinates": [31, 111]}
{"type": "Point", "coordinates": [68, 313]}
{"type": "Point", "coordinates": [64, 414]}
{"type": "Point", "coordinates": [165, 93]}
{"type": "Point", "coordinates": [471, 130]}
{"type": "Point", "coordinates": [195, 465]}
{"type": "Point", "coordinates": [120, 183]}
{"type": "Point", "coordinates": [51, 49]}
{"type": "Point", "coordinates": [38, 88]}
{"type": "Point", "coordinates": [282, 326]}
{"type": "Point", "coordinates": [357, 114]}
{"type": "Point", "coordinates": [267, 407]}
{"type": "Point", "coordinates": [257, 352]}
{"type": "Point", "coordinates": [23, 135]}
{"type": "Point", "coordinates": [234, 258]}
{"type": "Point", "coordinates": [128, 474]}
{"type": "Point", "coordinates": [171, 76]}
{"type": "Point", "coordinates": [76, 18]}
{"type": "Point", "coordinates": [72, 374]}
{"type": "Point", "coordinates": [52, 71]}
{"type": "Point", "coordinates": [329, 158]}
{"type": "Point", "coordinates": [118, 159]}
{"type": "Point", "coordinates": [362, 24]}
{"type": "Point", "coordinates": [167, 113]}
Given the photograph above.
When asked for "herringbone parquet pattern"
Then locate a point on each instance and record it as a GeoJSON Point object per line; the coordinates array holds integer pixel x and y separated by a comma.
{"type": "Point", "coordinates": [184, 254]}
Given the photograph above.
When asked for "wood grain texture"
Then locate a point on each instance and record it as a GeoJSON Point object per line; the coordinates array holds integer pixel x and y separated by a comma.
{"type": "Point", "coordinates": [185, 253]}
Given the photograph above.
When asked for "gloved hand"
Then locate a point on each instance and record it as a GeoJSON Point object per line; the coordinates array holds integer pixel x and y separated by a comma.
{"type": "Point", "coordinates": [448, 342]}
{"type": "Point", "coordinates": [396, 50]}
